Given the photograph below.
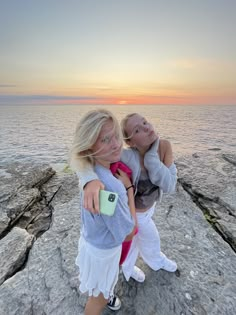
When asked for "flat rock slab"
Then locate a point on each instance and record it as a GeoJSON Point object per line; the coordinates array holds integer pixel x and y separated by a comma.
{"type": "Point", "coordinates": [19, 190]}
{"type": "Point", "coordinates": [204, 285]}
{"type": "Point", "coordinates": [211, 181]}
{"type": "Point", "coordinates": [14, 250]}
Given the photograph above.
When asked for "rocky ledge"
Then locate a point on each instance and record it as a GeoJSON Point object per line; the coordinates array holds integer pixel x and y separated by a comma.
{"type": "Point", "coordinates": [39, 231]}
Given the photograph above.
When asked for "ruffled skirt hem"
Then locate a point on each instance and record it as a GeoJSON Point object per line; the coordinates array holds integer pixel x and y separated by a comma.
{"type": "Point", "coordinates": [98, 269]}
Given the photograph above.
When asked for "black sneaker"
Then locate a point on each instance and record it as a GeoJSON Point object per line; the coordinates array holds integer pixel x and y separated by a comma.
{"type": "Point", "coordinates": [114, 303]}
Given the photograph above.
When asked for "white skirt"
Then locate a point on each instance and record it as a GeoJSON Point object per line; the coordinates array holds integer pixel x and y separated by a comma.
{"type": "Point", "coordinates": [98, 269]}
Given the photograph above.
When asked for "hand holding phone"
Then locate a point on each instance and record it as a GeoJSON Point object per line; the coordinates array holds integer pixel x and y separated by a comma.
{"type": "Point", "coordinates": [107, 202]}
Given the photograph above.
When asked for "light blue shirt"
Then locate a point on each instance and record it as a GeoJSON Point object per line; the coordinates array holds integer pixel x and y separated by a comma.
{"type": "Point", "coordinates": [103, 231]}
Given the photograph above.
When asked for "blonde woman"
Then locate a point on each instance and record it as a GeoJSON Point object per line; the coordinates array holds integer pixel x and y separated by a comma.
{"type": "Point", "coordinates": [151, 161]}
{"type": "Point", "coordinates": [97, 144]}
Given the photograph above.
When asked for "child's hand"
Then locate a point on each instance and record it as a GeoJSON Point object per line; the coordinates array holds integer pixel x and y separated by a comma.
{"type": "Point", "coordinates": [91, 196]}
{"type": "Point", "coordinates": [122, 176]}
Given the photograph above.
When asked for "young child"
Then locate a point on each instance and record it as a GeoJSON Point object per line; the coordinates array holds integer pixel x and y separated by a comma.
{"type": "Point", "coordinates": [97, 144]}
{"type": "Point", "coordinates": [153, 170]}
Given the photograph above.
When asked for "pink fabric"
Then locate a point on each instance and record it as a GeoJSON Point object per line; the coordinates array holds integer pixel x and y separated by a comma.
{"type": "Point", "coordinates": [125, 249]}
{"type": "Point", "coordinates": [125, 245]}
{"type": "Point", "coordinates": [122, 166]}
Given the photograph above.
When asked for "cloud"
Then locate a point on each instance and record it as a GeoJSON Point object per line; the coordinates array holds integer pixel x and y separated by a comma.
{"type": "Point", "coordinates": [14, 99]}
{"type": "Point", "coordinates": [184, 63]}
{"type": "Point", "coordinates": [7, 85]}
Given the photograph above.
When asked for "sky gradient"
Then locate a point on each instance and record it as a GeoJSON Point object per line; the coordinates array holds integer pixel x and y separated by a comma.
{"type": "Point", "coordinates": [118, 52]}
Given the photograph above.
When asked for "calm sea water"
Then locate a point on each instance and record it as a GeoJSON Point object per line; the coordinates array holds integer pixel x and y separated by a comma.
{"type": "Point", "coordinates": [45, 133]}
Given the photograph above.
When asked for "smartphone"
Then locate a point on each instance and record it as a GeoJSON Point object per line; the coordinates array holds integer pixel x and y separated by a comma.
{"type": "Point", "coordinates": [107, 202]}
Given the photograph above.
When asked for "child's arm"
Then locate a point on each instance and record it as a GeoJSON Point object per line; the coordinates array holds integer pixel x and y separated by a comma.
{"type": "Point", "coordinates": [91, 186]}
{"type": "Point", "coordinates": [130, 193]}
{"type": "Point", "coordinates": [165, 152]}
{"type": "Point", "coordinates": [91, 195]}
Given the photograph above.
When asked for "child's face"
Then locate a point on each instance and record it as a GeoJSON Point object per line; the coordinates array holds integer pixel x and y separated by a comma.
{"type": "Point", "coordinates": [141, 131]}
{"type": "Point", "coordinates": [107, 148]}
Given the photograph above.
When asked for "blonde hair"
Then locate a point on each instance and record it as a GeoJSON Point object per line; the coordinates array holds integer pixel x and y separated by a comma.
{"type": "Point", "coordinates": [123, 125]}
{"type": "Point", "coordinates": [86, 135]}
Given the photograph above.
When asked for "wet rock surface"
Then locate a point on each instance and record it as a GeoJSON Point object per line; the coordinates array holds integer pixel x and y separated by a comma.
{"type": "Point", "coordinates": [40, 224]}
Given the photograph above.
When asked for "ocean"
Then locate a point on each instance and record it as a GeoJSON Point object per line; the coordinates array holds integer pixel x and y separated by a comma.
{"type": "Point", "coordinates": [45, 133]}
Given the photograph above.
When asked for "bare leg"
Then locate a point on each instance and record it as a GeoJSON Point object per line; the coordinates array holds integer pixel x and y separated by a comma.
{"type": "Point", "coordinates": [95, 305]}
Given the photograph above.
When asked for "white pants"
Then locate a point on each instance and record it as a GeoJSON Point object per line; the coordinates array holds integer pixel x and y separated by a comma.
{"type": "Point", "coordinates": [145, 243]}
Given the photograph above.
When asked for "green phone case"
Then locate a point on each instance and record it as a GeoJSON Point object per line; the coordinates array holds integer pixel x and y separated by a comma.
{"type": "Point", "coordinates": [107, 202]}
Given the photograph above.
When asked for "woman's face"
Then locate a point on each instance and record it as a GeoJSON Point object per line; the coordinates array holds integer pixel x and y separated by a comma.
{"type": "Point", "coordinates": [107, 148]}
{"type": "Point", "coordinates": [141, 132]}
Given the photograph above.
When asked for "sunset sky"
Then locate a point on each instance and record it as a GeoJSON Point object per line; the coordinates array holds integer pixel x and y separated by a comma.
{"type": "Point", "coordinates": [117, 52]}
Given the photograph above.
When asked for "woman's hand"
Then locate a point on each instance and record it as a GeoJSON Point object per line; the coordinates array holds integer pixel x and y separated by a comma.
{"type": "Point", "coordinates": [122, 176]}
{"type": "Point", "coordinates": [91, 195]}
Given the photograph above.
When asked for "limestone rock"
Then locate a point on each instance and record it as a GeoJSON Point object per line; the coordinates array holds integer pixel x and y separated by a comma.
{"type": "Point", "coordinates": [192, 224]}
{"type": "Point", "coordinates": [211, 181]}
{"type": "Point", "coordinates": [20, 190]}
{"type": "Point", "coordinates": [13, 250]}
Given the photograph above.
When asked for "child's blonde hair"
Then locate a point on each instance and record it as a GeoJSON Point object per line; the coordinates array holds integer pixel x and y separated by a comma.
{"type": "Point", "coordinates": [86, 134]}
{"type": "Point", "coordinates": [123, 125]}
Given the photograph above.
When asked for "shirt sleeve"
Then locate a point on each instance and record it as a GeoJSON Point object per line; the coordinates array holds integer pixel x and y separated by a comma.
{"type": "Point", "coordinates": [159, 174]}
{"type": "Point", "coordinates": [86, 175]}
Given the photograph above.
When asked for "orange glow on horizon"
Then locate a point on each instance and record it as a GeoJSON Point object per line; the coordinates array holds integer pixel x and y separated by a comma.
{"type": "Point", "coordinates": [167, 98]}
{"type": "Point", "coordinates": [122, 102]}
{"type": "Point", "coordinates": [150, 100]}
